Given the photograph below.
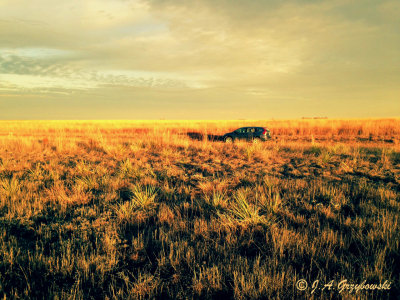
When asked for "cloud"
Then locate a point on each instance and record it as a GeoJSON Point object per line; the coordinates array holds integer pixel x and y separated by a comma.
{"type": "Point", "coordinates": [260, 52]}
{"type": "Point", "coordinates": [43, 70]}
{"type": "Point", "coordinates": [315, 49]}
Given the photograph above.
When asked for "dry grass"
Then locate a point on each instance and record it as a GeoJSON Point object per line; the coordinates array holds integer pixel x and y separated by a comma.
{"type": "Point", "coordinates": [157, 209]}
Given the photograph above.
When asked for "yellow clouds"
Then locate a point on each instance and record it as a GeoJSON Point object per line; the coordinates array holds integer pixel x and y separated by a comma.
{"type": "Point", "coordinates": [283, 58]}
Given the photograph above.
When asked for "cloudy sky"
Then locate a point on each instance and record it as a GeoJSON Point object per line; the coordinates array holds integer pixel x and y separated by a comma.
{"type": "Point", "coordinates": [205, 59]}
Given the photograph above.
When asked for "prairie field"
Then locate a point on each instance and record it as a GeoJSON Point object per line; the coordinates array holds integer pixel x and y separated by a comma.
{"type": "Point", "coordinates": [165, 209]}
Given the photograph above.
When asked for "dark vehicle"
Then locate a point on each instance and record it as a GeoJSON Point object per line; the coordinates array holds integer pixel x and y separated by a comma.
{"type": "Point", "coordinates": [254, 134]}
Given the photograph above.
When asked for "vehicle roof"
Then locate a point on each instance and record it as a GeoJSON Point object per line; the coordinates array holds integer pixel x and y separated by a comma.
{"type": "Point", "coordinates": [251, 127]}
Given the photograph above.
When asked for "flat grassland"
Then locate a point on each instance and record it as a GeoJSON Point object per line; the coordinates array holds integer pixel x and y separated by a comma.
{"type": "Point", "coordinates": [163, 209]}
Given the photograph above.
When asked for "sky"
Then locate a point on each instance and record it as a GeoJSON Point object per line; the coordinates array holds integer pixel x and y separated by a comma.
{"type": "Point", "coordinates": [200, 59]}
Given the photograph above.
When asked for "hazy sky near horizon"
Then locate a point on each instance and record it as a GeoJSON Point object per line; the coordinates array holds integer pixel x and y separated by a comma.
{"type": "Point", "coordinates": [220, 59]}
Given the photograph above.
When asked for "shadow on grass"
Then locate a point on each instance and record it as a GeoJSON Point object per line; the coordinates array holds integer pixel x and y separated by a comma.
{"type": "Point", "coordinates": [200, 136]}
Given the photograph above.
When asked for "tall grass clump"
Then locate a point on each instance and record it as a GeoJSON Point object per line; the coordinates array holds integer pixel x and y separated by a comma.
{"type": "Point", "coordinates": [268, 200]}
{"type": "Point", "coordinates": [128, 170]}
{"type": "Point", "coordinates": [216, 199]}
{"type": "Point", "coordinates": [143, 197]}
{"type": "Point", "coordinates": [243, 212]}
{"type": "Point", "coordinates": [142, 201]}
{"type": "Point", "coordinates": [9, 188]}
{"type": "Point", "coordinates": [267, 195]}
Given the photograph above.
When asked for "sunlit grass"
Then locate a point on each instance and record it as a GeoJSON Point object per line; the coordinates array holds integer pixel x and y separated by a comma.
{"type": "Point", "coordinates": [139, 209]}
{"type": "Point", "coordinates": [244, 212]}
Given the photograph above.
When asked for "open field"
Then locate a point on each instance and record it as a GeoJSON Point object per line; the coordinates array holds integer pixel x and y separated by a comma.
{"type": "Point", "coordinates": [145, 209]}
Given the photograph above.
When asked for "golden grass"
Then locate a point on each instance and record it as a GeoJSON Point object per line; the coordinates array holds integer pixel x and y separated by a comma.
{"type": "Point", "coordinates": [336, 127]}
{"type": "Point", "coordinates": [162, 209]}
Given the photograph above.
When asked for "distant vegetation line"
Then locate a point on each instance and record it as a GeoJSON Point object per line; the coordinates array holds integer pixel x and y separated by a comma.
{"type": "Point", "coordinates": [385, 128]}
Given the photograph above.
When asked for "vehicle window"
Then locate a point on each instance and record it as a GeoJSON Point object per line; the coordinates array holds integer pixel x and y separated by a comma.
{"type": "Point", "coordinates": [241, 130]}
